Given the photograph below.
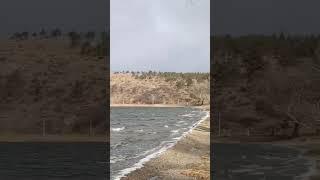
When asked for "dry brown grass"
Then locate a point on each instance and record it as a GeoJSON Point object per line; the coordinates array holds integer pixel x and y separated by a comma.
{"type": "Point", "coordinates": [126, 89]}
{"type": "Point", "coordinates": [46, 79]}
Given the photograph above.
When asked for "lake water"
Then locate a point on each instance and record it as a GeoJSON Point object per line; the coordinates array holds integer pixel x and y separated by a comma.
{"type": "Point", "coordinates": [53, 161]}
{"type": "Point", "coordinates": [255, 162]}
{"type": "Point", "coordinates": [139, 133]}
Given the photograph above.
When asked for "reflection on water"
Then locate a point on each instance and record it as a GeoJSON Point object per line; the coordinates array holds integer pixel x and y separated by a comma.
{"type": "Point", "coordinates": [254, 162]}
{"type": "Point", "coordinates": [53, 161]}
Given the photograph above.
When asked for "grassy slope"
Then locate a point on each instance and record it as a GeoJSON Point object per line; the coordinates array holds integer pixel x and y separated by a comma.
{"type": "Point", "coordinates": [127, 89]}
{"type": "Point", "coordinates": [259, 101]}
{"type": "Point", "coordinates": [45, 79]}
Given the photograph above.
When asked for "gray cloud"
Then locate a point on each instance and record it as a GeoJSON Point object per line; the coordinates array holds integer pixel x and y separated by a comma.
{"type": "Point", "coordinates": [32, 15]}
{"type": "Point", "coordinates": [161, 35]}
{"type": "Point", "coordinates": [265, 16]}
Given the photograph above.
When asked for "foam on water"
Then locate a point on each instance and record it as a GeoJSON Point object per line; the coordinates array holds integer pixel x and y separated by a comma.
{"type": "Point", "coordinates": [174, 131]}
{"type": "Point", "coordinates": [187, 115]}
{"type": "Point", "coordinates": [114, 159]}
{"type": "Point", "coordinates": [117, 129]}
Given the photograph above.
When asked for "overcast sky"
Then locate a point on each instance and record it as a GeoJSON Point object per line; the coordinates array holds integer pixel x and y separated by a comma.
{"type": "Point", "coordinates": [32, 15]}
{"type": "Point", "coordinates": [160, 35]}
{"type": "Point", "coordinates": [166, 35]}
{"type": "Point", "coordinates": [265, 16]}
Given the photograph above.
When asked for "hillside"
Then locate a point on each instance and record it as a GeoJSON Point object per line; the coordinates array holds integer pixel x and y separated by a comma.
{"type": "Point", "coordinates": [160, 88]}
{"type": "Point", "coordinates": [266, 85]}
{"type": "Point", "coordinates": [44, 80]}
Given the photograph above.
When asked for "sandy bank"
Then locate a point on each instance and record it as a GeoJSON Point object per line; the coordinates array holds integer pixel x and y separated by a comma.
{"type": "Point", "coordinates": [188, 159]}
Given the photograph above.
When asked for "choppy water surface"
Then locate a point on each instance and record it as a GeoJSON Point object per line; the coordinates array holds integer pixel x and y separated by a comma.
{"type": "Point", "coordinates": [254, 162]}
{"type": "Point", "coordinates": [53, 161]}
{"type": "Point", "coordinates": [138, 133]}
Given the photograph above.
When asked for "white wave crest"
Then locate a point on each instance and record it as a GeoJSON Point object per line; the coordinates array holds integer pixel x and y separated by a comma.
{"type": "Point", "coordinates": [187, 115]}
{"type": "Point", "coordinates": [117, 129]}
{"type": "Point", "coordinates": [114, 159]}
{"type": "Point", "coordinates": [174, 131]}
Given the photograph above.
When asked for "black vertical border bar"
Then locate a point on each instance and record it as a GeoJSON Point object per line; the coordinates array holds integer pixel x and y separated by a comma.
{"type": "Point", "coordinates": [107, 105]}
{"type": "Point", "coordinates": [212, 154]}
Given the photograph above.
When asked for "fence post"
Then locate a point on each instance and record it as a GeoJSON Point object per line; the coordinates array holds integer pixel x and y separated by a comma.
{"type": "Point", "coordinates": [90, 130]}
{"type": "Point", "coordinates": [43, 126]}
{"type": "Point", "coordinates": [219, 124]}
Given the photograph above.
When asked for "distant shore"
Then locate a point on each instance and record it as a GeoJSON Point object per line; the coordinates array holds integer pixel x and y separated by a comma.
{"type": "Point", "coordinates": [188, 159]}
{"type": "Point", "coordinates": [204, 107]}
{"type": "Point", "coordinates": [147, 105]}
{"type": "Point", "coordinates": [51, 138]}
